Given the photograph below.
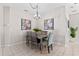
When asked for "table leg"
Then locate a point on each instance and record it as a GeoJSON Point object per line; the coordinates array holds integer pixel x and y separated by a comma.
{"type": "Point", "coordinates": [41, 45]}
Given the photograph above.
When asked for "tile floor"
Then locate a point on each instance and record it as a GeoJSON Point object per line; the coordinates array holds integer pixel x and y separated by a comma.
{"type": "Point", "coordinates": [59, 50]}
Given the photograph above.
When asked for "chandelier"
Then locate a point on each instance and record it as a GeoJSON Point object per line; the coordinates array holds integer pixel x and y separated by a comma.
{"type": "Point", "coordinates": [35, 7]}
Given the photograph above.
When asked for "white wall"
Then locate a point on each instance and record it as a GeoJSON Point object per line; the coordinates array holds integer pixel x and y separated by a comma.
{"type": "Point", "coordinates": [1, 29]}
{"type": "Point", "coordinates": [15, 35]}
{"type": "Point", "coordinates": [6, 18]}
{"type": "Point", "coordinates": [60, 24]}
{"type": "Point", "coordinates": [0, 24]}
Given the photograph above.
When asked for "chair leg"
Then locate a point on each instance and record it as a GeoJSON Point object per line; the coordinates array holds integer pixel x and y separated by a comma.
{"type": "Point", "coordinates": [48, 50]}
{"type": "Point", "coordinates": [27, 42]}
{"type": "Point", "coordinates": [51, 47]}
{"type": "Point", "coordinates": [31, 45]}
{"type": "Point", "coordinates": [41, 48]}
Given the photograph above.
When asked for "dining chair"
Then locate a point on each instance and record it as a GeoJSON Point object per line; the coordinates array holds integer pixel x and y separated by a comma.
{"type": "Point", "coordinates": [49, 42]}
{"type": "Point", "coordinates": [28, 37]}
{"type": "Point", "coordinates": [34, 41]}
{"type": "Point", "coordinates": [44, 33]}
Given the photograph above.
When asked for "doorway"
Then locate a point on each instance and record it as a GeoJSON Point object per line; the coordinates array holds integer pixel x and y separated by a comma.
{"type": "Point", "coordinates": [74, 22]}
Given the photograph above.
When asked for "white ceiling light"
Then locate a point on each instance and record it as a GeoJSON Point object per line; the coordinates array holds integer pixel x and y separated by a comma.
{"type": "Point", "coordinates": [35, 7]}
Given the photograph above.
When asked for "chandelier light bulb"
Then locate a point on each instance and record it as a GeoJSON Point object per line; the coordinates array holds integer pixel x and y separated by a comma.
{"type": "Point", "coordinates": [37, 17]}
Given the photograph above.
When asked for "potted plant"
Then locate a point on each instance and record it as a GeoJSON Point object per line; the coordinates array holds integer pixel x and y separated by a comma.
{"type": "Point", "coordinates": [73, 32]}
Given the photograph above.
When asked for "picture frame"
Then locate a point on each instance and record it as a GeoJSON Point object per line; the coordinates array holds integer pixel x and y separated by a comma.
{"type": "Point", "coordinates": [25, 24]}
{"type": "Point", "coordinates": [49, 24]}
{"type": "Point", "coordinates": [68, 23]}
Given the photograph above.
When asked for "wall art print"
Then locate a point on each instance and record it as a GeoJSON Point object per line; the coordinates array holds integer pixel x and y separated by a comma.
{"type": "Point", "coordinates": [49, 24]}
{"type": "Point", "coordinates": [68, 23]}
{"type": "Point", "coordinates": [25, 24]}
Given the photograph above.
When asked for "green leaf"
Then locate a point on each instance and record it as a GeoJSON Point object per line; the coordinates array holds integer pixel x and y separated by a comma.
{"type": "Point", "coordinates": [73, 31]}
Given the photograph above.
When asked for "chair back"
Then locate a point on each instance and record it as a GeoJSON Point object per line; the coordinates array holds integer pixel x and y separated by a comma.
{"type": "Point", "coordinates": [28, 35]}
{"type": "Point", "coordinates": [33, 36]}
{"type": "Point", "coordinates": [50, 38]}
{"type": "Point", "coordinates": [44, 33]}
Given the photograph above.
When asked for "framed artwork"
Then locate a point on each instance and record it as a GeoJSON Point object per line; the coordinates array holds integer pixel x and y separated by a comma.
{"type": "Point", "coordinates": [25, 24]}
{"type": "Point", "coordinates": [49, 24]}
{"type": "Point", "coordinates": [68, 24]}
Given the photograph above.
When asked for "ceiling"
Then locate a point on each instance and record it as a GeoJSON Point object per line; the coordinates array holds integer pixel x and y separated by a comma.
{"type": "Point", "coordinates": [44, 8]}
